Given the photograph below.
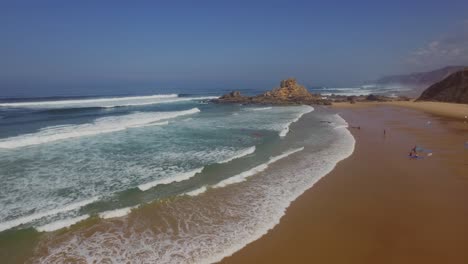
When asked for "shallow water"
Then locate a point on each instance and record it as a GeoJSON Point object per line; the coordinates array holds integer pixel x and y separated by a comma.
{"type": "Point", "coordinates": [200, 180]}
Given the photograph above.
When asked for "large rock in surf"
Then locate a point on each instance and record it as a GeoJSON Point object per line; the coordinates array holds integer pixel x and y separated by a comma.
{"type": "Point", "coordinates": [289, 93]}
{"type": "Point", "coordinates": [453, 89]}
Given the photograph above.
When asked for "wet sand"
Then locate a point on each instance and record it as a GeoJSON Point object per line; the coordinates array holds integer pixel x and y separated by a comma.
{"type": "Point", "coordinates": [450, 110]}
{"type": "Point", "coordinates": [378, 206]}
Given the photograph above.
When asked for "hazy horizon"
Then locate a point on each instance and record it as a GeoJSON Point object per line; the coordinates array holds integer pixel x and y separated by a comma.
{"type": "Point", "coordinates": [56, 48]}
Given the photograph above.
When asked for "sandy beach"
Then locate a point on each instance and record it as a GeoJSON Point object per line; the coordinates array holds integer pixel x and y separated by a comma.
{"type": "Point", "coordinates": [379, 206]}
{"type": "Point", "coordinates": [450, 110]}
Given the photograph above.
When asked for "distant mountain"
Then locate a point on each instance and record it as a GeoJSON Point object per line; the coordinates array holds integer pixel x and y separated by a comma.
{"type": "Point", "coordinates": [453, 89]}
{"type": "Point", "coordinates": [419, 78]}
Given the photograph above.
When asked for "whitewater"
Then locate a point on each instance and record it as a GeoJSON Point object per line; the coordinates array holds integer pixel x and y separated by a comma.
{"type": "Point", "coordinates": [105, 102]}
{"type": "Point", "coordinates": [175, 175]}
{"type": "Point", "coordinates": [253, 202]}
{"type": "Point", "coordinates": [99, 126]}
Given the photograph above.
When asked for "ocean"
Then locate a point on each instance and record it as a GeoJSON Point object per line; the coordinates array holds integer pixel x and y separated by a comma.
{"type": "Point", "coordinates": [155, 178]}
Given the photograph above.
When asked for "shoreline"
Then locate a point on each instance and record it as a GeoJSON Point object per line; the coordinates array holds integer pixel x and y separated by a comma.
{"type": "Point", "coordinates": [448, 110]}
{"type": "Point", "coordinates": [332, 216]}
{"type": "Point", "coordinates": [388, 208]}
{"type": "Point", "coordinates": [272, 204]}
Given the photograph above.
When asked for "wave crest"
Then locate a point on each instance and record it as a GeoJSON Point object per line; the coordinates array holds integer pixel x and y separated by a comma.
{"type": "Point", "coordinates": [105, 102]}
{"type": "Point", "coordinates": [99, 126]}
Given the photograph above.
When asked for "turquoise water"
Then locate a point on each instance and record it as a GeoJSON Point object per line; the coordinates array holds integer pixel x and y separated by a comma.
{"type": "Point", "coordinates": [70, 160]}
{"type": "Point", "coordinates": [64, 161]}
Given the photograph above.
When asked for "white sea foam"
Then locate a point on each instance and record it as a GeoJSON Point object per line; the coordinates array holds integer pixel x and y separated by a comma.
{"type": "Point", "coordinates": [36, 216]}
{"type": "Point", "coordinates": [340, 126]}
{"type": "Point", "coordinates": [106, 102]}
{"type": "Point", "coordinates": [231, 219]}
{"type": "Point", "coordinates": [95, 101]}
{"type": "Point", "coordinates": [61, 224]}
{"type": "Point", "coordinates": [99, 126]}
{"type": "Point", "coordinates": [259, 108]}
{"type": "Point", "coordinates": [116, 213]}
{"type": "Point", "coordinates": [197, 191]}
{"type": "Point", "coordinates": [240, 154]}
{"type": "Point", "coordinates": [175, 100]}
{"type": "Point", "coordinates": [177, 178]}
{"type": "Point", "coordinates": [244, 175]}
{"type": "Point", "coordinates": [285, 130]}
{"type": "Point", "coordinates": [284, 155]}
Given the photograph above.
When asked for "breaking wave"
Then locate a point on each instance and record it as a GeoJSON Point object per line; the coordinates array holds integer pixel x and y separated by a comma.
{"type": "Point", "coordinates": [36, 216]}
{"type": "Point", "coordinates": [177, 178]}
{"type": "Point", "coordinates": [197, 191]}
{"type": "Point", "coordinates": [99, 126]}
{"type": "Point", "coordinates": [285, 130]}
{"type": "Point", "coordinates": [207, 228]}
{"type": "Point", "coordinates": [61, 224]}
{"type": "Point", "coordinates": [240, 154]}
{"type": "Point", "coordinates": [105, 102]}
{"type": "Point", "coordinates": [116, 213]}
{"type": "Point", "coordinates": [244, 175]}
{"type": "Point", "coordinates": [260, 108]}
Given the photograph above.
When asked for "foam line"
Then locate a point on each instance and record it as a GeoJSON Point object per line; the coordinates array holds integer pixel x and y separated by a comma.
{"type": "Point", "coordinates": [175, 100]}
{"type": "Point", "coordinates": [86, 101]}
{"type": "Point", "coordinates": [284, 155]}
{"type": "Point", "coordinates": [179, 238]}
{"type": "Point", "coordinates": [285, 130]}
{"type": "Point", "coordinates": [99, 126]}
{"type": "Point", "coordinates": [259, 108]}
{"type": "Point", "coordinates": [241, 154]}
{"type": "Point", "coordinates": [177, 178]}
{"type": "Point", "coordinates": [116, 213]}
{"type": "Point", "coordinates": [30, 218]}
{"type": "Point", "coordinates": [197, 191]}
{"type": "Point", "coordinates": [244, 175]}
{"type": "Point", "coordinates": [106, 102]}
{"type": "Point", "coordinates": [61, 224]}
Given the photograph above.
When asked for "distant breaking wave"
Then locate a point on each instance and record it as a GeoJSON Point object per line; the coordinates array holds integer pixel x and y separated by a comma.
{"type": "Point", "coordinates": [36, 216]}
{"type": "Point", "coordinates": [99, 126]}
{"type": "Point", "coordinates": [61, 224]}
{"type": "Point", "coordinates": [244, 175]}
{"type": "Point", "coordinates": [117, 212]}
{"type": "Point", "coordinates": [259, 108]}
{"type": "Point", "coordinates": [196, 191]}
{"type": "Point", "coordinates": [105, 102]}
{"type": "Point", "coordinates": [178, 178]}
{"type": "Point", "coordinates": [240, 154]}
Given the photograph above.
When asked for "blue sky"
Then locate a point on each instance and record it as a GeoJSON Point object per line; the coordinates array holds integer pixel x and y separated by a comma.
{"type": "Point", "coordinates": [67, 45]}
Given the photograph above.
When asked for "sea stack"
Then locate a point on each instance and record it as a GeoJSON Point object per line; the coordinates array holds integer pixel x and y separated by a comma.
{"type": "Point", "coordinates": [453, 89]}
{"type": "Point", "coordinates": [288, 93]}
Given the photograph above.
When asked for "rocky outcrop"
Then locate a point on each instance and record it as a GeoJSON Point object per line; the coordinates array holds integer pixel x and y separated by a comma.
{"type": "Point", "coordinates": [233, 96]}
{"type": "Point", "coordinates": [376, 98]}
{"type": "Point", "coordinates": [289, 93]}
{"type": "Point", "coordinates": [453, 89]}
{"type": "Point", "coordinates": [366, 98]}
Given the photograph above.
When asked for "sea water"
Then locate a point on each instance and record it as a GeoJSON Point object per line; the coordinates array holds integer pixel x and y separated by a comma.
{"type": "Point", "coordinates": [166, 178]}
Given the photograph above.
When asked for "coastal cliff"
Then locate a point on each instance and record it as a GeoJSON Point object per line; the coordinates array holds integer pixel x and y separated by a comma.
{"type": "Point", "coordinates": [453, 89]}
{"type": "Point", "coordinates": [289, 93]}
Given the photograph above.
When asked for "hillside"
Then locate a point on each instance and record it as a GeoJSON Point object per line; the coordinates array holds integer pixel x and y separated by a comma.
{"type": "Point", "coordinates": [420, 78]}
{"type": "Point", "coordinates": [453, 89]}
